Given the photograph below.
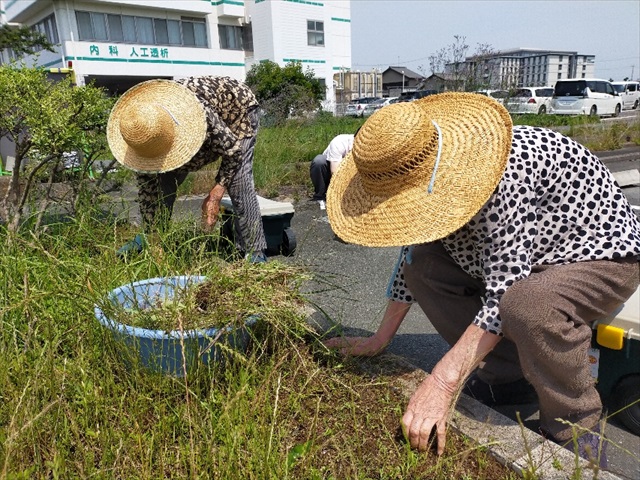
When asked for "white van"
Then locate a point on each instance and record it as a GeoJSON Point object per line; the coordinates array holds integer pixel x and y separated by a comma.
{"type": "Point", "coordinates": [629, 94]}
{"type": "Point", "coordinates": [585, 96]}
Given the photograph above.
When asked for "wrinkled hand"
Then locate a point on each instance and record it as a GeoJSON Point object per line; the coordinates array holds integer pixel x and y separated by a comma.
{"type": "Point", "coordinates": [211, 207]}
{"type": "Point", "coordinates": [429, 407]}
{"type": "Point", "coordinates": [356, 346]}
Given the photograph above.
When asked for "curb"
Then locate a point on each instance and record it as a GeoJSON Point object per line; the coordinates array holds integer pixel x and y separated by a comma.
{"type": "Point", "coordinates": [513, 445]}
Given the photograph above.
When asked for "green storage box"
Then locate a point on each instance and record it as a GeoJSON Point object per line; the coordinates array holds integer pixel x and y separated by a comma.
{"type": "Point", "coordinates": [276, 219]}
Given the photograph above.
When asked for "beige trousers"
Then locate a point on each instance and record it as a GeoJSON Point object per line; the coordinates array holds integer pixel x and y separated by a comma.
{"type": "Point", "coordinates": [547, 323]}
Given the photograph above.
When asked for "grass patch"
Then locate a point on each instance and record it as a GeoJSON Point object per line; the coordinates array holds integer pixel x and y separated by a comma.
{"type": "Point", "coordinates": [283, 154]}
{"type": "Point", "coordinates": [285, 408]}
{"type": "Point", "coordinates": [551, 121]}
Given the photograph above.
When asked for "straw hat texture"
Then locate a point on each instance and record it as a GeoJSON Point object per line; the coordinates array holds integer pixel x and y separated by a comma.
{"type": "Point", "coordinates": [156, 126]}
{"type": "Point", "coordinates": [419, 170]}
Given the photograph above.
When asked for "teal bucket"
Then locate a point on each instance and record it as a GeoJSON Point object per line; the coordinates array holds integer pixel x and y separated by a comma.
{"type": "Point", "coordinates": [172, 352]}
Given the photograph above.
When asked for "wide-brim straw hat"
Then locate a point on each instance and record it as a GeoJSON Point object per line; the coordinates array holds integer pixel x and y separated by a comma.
{"type": "Point", "coordinates": [420, 170]}
{"type": "Point", "coordinates": [156, 126]}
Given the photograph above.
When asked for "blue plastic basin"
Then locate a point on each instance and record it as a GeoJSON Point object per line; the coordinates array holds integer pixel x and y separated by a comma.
{"type": "Point", "coordinates": [162, 351]}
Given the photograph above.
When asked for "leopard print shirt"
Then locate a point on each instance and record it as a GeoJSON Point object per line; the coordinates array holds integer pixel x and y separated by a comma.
{"type": "Point", "coordinates": [227, 103]}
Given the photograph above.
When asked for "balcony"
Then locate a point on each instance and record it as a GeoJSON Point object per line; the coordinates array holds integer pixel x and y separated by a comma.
{"type": "Point", "coordinates": [229, 8]}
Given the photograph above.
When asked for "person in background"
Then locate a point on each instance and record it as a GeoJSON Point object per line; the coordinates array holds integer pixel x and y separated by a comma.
{"type": "Point", "coordinates": [324, 165]}
{"type": "Point", "coordinates": [164, 129]}
{"type": "Point", "coordinates": [514, 241]}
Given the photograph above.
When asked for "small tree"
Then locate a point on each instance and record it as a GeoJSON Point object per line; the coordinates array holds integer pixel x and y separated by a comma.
{"type": "Point", "coordinates": [284, 92]}
{"type": "Point", "coordinates": [45, 119]}
{"type": "Point", "coordinates": [463, 72]}
{"type": "Point", "coordinates": [22, 40]}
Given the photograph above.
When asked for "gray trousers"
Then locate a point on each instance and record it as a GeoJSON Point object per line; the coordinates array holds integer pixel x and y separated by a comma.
{"type": "Point", "coordinates": [157, 195]}
{"type": "Point", "coordinates": [320, 172]}
{"type": "Point", "coordinates": [547, 323]}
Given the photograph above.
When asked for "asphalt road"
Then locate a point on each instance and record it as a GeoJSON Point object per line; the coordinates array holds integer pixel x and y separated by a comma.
{"type": "Point", "coordinates": [351, 282]}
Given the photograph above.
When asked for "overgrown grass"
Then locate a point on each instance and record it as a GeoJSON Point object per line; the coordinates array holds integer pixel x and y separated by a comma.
{"type": "Point", "coordinates": [286, 408]}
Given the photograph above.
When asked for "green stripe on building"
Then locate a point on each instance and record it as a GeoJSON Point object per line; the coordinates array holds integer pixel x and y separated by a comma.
{"type": "Point", "coordinates": [305, 2]}
{"type": "Point", "coordinates": [226, 2]}
{"type": "Point", "coordinates": [55, 62]}
{"type": "Point", "coordinates": [166, 62]}
{"type": "Point", "coordinates": [336, 19]}
{"type": "Point", "coordinates": [299, 60]}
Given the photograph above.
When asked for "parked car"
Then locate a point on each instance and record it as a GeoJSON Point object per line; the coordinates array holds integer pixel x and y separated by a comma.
{"type": "Point", "coordinates": [629, 94]}
{"type": "Point", "coordinates": [415, 95]}
{"type": "Point", "coordinates": [378, 104]}
{"type": "Point", "coordinates": [369, 109]}
{"type": "Point", "coordinates": [387, 101]}
{"type": "Point", "coordinates": [356, 107]}
{"type": "Point", "coordinates": [497, 95]}
{"type": "Point", "coordinates": [585, 96]}
{"type": "Point", "coordinates": [530, 100]}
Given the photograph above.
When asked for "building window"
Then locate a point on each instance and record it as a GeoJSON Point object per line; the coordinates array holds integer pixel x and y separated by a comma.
{"type": "Point", "coordinates": [230, 37]}
{"type": "Point", "coordinates": [144, 30]}
{"type": "Point", "coordinates": [559, 75]}
{"type": "Point", "coordinates": [194, 32]}
{"type": "Point", "coordinates": [315, 33]}
{"type": "Point", "coordinates": [247, 37]}
{"type": "Point", "coordinates": [188, 32]}
{"type": "Point", "coordinates": [47, 27]}
{"type": "Point", "coordinates": [560, 67]}
{"type": "Point", "coordinates": [323, 84]}
{"type": "Point", "coordinates": [560, 58]}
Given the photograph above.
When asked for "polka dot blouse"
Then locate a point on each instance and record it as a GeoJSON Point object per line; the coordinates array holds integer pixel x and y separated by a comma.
{"type": "Point", "coordinates": [556, 203]}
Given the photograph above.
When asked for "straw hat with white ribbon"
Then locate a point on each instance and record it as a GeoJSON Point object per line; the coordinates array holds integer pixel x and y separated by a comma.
{"type": "Point", "coordinates": [420, 170]}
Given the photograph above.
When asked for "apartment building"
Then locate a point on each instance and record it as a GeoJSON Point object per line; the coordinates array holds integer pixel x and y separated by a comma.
{"type": "Point", "coordinates": [528, 67]}
{"type": "Point", "coordinates": [117, 44]}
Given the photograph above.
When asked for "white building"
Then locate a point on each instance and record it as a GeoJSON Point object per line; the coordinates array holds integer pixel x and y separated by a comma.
{"type": "Point", "coordinates": [120, 43]}
{"type": "Point", "coordinates": [527, 67]}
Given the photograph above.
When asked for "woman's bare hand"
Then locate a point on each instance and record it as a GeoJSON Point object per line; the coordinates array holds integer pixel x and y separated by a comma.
{"type": "Point", "coordinates": [356, 346]}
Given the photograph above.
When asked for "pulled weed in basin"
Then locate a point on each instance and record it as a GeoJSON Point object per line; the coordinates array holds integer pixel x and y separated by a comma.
{"type": "Point", "coordinates": [230, 294]}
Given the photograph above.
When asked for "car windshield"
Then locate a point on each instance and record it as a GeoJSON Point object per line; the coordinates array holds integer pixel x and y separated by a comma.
{"type": "Point", "coordinates": [544, 92]}
{"type": "Point", "coordinates": [499, 94]}
{"type": "Point", "coordinates": [619, 88]}
{"type": "Point", "coordinates": [567, 89]}
{"type": "Point", "coordinates": [522, 93]}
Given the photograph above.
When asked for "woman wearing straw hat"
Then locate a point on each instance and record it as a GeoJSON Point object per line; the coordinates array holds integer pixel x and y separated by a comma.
{"type": "Point", "coordinates": [164, 129]}
{"type": "Point", "coordinates": [514, 241]}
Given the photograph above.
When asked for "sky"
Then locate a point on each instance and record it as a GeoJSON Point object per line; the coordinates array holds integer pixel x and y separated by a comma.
{"type": "Point", "coordinates": [406, 32]}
